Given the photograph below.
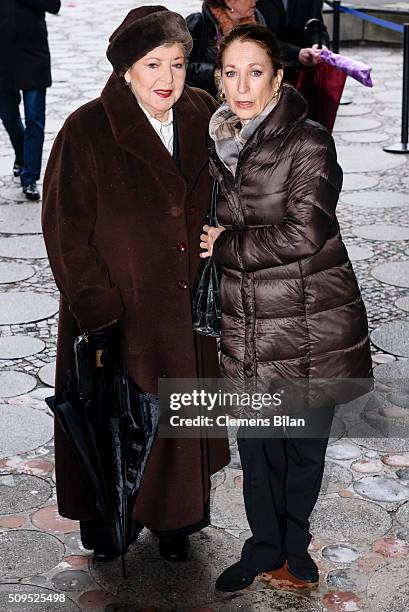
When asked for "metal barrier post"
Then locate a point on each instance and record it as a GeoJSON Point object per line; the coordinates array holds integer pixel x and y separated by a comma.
{"type": "Point", "coordinates": [336, 26]}
{"type": "Point", "coordinates": [402, 147]}
{"type": "Point", "coordinates": [336, 41]}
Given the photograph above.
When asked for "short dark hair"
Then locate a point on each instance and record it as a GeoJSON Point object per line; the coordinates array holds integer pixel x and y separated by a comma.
{"type": "Point", "coordinates": [259, 34]}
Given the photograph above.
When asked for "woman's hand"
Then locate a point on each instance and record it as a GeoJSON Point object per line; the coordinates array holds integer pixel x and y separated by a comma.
{"type": "Point", "coordinates": [310, 56]}
{"type": "Point", "coordinates": [208, 238]}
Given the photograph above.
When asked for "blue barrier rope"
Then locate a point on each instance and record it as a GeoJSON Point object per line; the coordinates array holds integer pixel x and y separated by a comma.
{"type": "Point", "coordinates": [376, 20]}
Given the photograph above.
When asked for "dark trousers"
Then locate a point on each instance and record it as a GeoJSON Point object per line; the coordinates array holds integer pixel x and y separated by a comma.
{"type": "Point", "coordinates": [27, 141]}
{"type": "Point", "coordinates": [281, 482]}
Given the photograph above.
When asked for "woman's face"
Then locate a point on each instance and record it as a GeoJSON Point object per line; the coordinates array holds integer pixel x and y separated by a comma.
{"type": "Point", "coordinates": [157, 79]}
{"type": "Point", "coordinates": [242, 9]}
{"type": "Point", "coordinates": [248, 80]}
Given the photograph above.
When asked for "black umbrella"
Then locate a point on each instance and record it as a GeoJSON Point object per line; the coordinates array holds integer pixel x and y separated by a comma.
{"type": "Point", "coordinates": [111, 425]}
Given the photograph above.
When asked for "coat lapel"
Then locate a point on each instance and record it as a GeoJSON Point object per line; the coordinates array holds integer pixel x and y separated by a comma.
{"type": "Point", "coordinates": [132, 130]}
{"type": "Point", "coordinates": [290, 10]}
{"type": "Point", "coordinates": [280, 6]}
{"type": "Point", "coordinates": [176, 145]}
{"type": "Point", "coordinates": [134, 133]}
{"type": "Point", "coordinates": [192, 128]}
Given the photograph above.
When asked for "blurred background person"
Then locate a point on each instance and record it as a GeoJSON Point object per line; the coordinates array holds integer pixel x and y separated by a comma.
{"type": "Point", "coordinates": [217, 19]}
{"type": "Point", "coordinates": [320, 84]}
{"type": "Point", "coordinates": [25, 72]}
{"type": "Point", "coordinates": [287, 19]}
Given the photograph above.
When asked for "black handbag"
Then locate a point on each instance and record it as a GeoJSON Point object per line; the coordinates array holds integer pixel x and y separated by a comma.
{"type": "Point", "coordinates": [206, 311]}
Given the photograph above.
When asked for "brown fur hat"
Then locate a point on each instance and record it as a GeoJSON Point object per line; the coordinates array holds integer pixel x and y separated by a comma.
{"type": "Point", "coordinates": [142, 30]}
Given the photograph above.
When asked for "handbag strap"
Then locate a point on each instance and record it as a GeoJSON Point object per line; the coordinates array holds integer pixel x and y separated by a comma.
{"type": "Point", "coordinates": [233, 206]}
{"type": "Point", "coordinates": [232, 198]}
{"type": "Point", "coordinates": [213, 205]}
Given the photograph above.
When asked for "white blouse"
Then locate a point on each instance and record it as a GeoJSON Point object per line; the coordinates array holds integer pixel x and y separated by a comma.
{"type": "Point", "coordinates": [163, 130]}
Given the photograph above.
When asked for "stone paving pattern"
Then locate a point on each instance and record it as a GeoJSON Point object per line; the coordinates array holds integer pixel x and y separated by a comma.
{"type": "Point", "coordinates": [361, 522]}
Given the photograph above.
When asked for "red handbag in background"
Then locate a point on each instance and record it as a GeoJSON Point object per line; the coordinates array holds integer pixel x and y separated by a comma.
{"type": "Point", "coordinates": [322, 87]}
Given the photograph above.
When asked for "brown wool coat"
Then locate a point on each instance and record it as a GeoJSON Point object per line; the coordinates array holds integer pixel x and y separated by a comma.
{"type": "Point", "coordinates": [291, 304]}
{"type": "Point", "coordinates": [121, 224]}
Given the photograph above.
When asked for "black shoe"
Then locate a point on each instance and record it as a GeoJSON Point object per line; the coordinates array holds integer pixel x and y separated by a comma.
{"type": "Point", "coordinates": [303, 568]}
{"type": "Point", "coordinates": [31, 191]}
{"type": "Point", "coordinates": [108, 553]}
{"type": "Point", "coordinates": [95, 536]}
{"type": "Point", "coordinates": [235, 578]}
{"type": "Point", "coordinates": [17, 169]}
{"type": "Point", "coordinates": [174, 549]}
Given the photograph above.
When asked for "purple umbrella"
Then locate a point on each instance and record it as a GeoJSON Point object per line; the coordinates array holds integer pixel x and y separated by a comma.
{"type": "Point", "coordinates": [357, 70]}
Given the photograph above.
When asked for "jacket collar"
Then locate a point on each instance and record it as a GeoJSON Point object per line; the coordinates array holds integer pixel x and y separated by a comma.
{"type": "Point", "coordinates": [290, 109]}
{"type": "Point", "coordinates": [290, 10]}
{"type": "Point", "coordinates": [209, 16]}
{"type": "Point", "coordinates": [286, 14]}
{"type": "Point", "coordinates": [133, 132]}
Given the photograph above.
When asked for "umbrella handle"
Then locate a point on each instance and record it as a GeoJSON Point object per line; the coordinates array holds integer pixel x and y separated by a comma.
{"type": "Point", "coordinates": [316, 22]}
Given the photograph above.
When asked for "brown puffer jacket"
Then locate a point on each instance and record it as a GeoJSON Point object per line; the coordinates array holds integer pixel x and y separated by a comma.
{"type": "Point", "coordinates": [290, 300]}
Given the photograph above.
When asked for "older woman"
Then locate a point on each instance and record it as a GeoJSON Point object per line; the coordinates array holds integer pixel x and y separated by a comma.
{"type": "Point", "coordinates": [291, 305]}
{"type": "Point", "coordinates": [217, 19]}
{"type": "Point", "coordinates": [125, 194]}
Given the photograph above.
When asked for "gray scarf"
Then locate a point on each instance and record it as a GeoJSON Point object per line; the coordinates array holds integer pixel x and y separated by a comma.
{"type": "Point", "coordinates": [230, 136]}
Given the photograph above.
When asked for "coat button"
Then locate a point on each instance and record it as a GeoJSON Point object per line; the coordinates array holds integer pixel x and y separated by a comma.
{"type": "Point", "coordinates": [192, 210]}
{"type": "Point", "coordinates": [181, 246]}
{"type": "Point", "coordinates": [175, 211]}
{"type": "Point", "coordinates": [182, 284]}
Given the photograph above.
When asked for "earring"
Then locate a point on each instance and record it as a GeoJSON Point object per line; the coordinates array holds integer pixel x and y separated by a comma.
{"type": "Point", "coordinates": [277, 90]}
{"type": "Point", "coordinates": [222, 96]}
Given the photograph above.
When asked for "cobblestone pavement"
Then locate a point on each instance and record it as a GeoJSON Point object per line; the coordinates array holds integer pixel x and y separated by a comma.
{"type": "Point", "coordinates": [360, 525]}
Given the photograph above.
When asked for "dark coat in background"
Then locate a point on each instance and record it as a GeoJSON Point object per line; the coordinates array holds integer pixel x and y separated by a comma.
{"type": "Point", "coordinates": [206, 34]}
{"type": "Point", "coordinates": [121, 224]}
{"type": "Point", "coordinates": [24, 52]}
{"type": "Point", "coordinates": [290, 300]}
{"type": "Point", "coordinates": [289, 26]}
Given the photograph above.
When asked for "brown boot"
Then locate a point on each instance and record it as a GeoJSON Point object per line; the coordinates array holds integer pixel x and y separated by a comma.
{"type": "Point", "coordinates": [282, 579]}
